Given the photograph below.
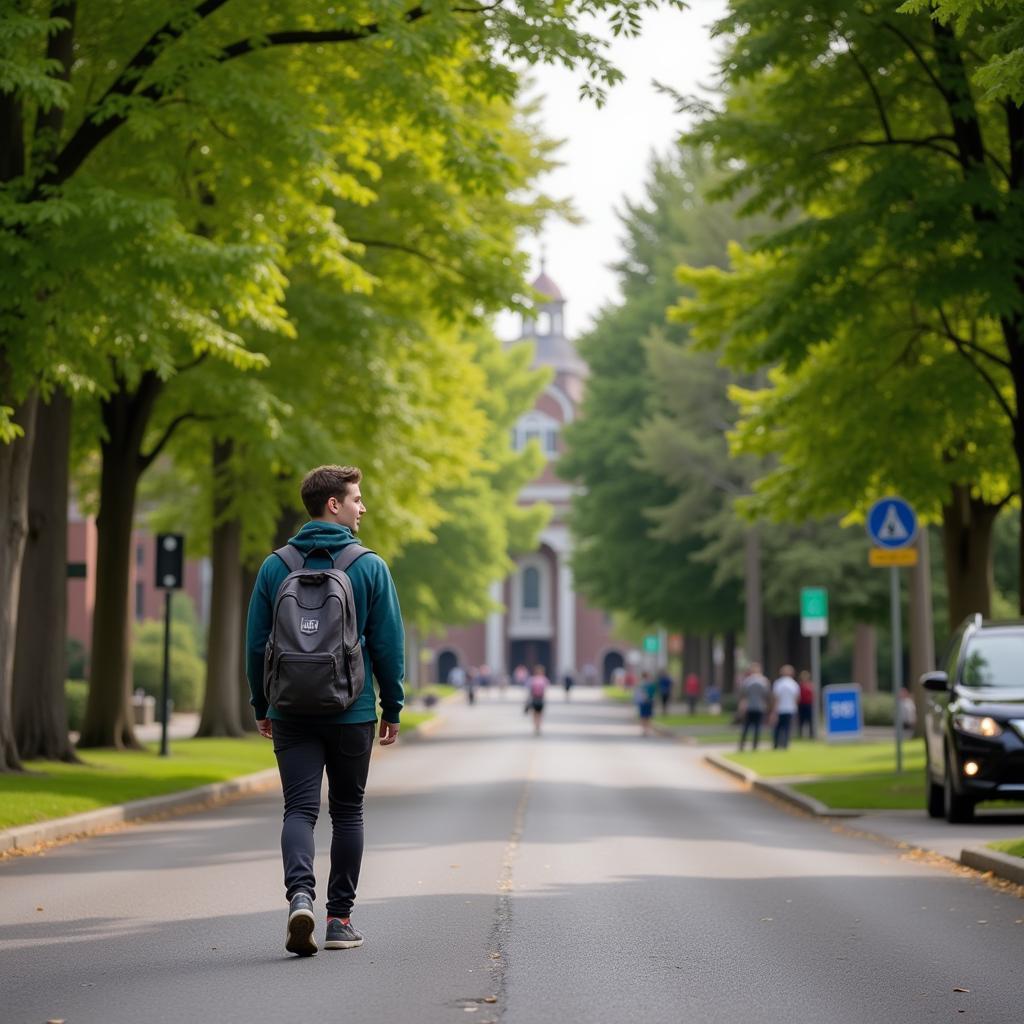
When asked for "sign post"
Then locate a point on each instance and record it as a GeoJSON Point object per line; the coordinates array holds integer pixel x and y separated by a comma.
{"type": "Point", "coordinates": [892, 526]}
{"type": "Point", "coordinates": [814, 624]}
{"type": "Point", "coordinates": [170, 558]}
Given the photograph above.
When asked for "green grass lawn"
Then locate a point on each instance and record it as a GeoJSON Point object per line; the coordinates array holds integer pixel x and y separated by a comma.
{"type": "Point", "coordinates": [857, 775]}
{"type": "Point", "coordinates": [884, 791]}
{"type": "Point", "coordinates": [622, 694]}
{"type": "Point", "coordinates": [53, 790]}
{"type": "Point", "coordinates": [683, 721]}
{"type": "Point", "coordinates": [815, 757]}
{"type": "Point", "coordinates": [1014, 847]}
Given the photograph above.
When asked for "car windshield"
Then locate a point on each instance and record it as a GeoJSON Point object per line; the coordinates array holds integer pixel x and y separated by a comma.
{"type": "Point", "coordinates": [995, 660]}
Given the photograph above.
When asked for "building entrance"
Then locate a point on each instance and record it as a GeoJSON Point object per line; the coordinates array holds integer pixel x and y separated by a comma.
{"type": "Point", "coordinates": [530, 653]}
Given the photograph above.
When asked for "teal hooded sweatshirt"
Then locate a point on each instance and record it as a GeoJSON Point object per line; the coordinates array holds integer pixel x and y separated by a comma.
{"type": "Point", "coordinates": [378, 618]}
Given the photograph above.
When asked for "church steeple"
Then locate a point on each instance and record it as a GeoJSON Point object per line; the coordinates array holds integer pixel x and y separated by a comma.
{"type": "Point", "coordinates": [546, 328]}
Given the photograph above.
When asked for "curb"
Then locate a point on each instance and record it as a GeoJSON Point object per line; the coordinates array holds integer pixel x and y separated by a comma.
{"type": "Point", "coordinates": [781, 790]}
{"type": "Point", "coordinates": [1001, 864]}
{"type": "Point", "coordinates": [24, 837]}
{"type": "Point", "coordinates": [77, 826]}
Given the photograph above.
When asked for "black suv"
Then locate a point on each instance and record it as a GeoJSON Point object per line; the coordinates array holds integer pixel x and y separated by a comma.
{"type": "Point", "coordinates": [974, 725]}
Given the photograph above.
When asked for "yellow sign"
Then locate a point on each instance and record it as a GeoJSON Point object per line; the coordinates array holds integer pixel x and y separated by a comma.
{"type": "Point", "coordinates": [885, 557]}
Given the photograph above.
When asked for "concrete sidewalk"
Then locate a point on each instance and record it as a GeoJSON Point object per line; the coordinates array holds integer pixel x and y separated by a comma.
{"type": "Point", "coordinates": [964, 843]}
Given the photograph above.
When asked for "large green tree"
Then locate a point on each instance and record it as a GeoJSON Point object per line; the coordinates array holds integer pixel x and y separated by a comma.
{"type": "Point", "coordinates": [906, 187]}
{"type": "Point", "coordinates": [150, 81]}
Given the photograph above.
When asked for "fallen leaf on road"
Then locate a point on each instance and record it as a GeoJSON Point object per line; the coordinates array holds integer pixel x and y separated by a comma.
{"type": "Point", "coordinates": [961, 990]}
{"type": "Point", "coordinates": [490, 999]}
{"type": "Point", "coordinates": [56, 1020]}
{"type": "Point", "coordinates": [39, 908]}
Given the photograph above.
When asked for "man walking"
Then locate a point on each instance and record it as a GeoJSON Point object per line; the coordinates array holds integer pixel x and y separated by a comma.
{"type": "Point", "coordinates": [785, 700]}
{"type": "Point", "coordinates": [754, 697]}
{"type": "Point", "coordinates": [312, 706]}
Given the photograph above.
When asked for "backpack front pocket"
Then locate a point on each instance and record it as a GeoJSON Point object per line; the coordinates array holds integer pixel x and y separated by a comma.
{"type": "Point", "coordinates": [306, 684]}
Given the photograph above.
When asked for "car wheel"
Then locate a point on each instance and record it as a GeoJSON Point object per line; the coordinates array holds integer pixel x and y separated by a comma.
{"type": "Point", "coordinates": [957, 808]}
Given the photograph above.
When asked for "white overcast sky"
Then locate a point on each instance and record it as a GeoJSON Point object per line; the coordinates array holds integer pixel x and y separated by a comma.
{"type": "Point", "coordinates": [606, 152]}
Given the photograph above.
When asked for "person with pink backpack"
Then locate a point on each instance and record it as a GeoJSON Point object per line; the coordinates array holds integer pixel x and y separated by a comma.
{"type": "Point", "coordinates": [536, 688]}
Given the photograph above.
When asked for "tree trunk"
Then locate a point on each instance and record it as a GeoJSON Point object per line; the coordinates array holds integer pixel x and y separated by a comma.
{"type": "Point", "coordinates": [865, 657]}
{"type": "Point", "coordinates": [729, 662]}
{"type": "Point", "coordinates": [922, 630]}
{"type": "Point", "coordinates": [220, 705]}
{"type": "Point", "coordinates": [412, 657]}
{"type": "Point", "coordinates": [15, 460]}
{"type": "Point", "coordinates": [691, 654]}
{"type": "Point", "coordinates": [967, 545]}
{"type": "Point", "coordinates": [126, 415]}
{"type": "Point", "coordinates": [40, 710]}
{"type": "Point", "coordinates": [247, 582]}
{"type": "Point", "coordinates": [108, 717]}
{"type": "Point", "coordinates": [753, 630]}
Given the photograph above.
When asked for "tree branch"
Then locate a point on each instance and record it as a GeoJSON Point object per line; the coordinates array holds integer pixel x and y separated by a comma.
{"type": "Point", "coordinates": [912, 46]}
{"type": "Point", "coordinates": [879, 105]}
{"type": "Point", "coordinates": [147, 458]}
{"type": "Point", "coordinates": [973, 346]}
{"type": "Point", "coordinates": [375, 243]}
{"type": "Point", "coordinates": [90, 133]}
{"type": "Point", "coordinates": [929, 142]}
{"type": "Point", "coordinates": [987, 378]}
{"type": "Point", "coordinates": [298, 36]}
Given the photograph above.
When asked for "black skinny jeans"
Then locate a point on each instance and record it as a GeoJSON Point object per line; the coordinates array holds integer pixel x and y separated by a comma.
{"type": "Point", "coordinates": [751, 723]}
{"type": "Point", "coordinates": [304, 750]}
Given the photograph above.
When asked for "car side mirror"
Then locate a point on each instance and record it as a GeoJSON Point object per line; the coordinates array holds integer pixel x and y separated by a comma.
{"type": "Point", "coordinates": [936, 682]}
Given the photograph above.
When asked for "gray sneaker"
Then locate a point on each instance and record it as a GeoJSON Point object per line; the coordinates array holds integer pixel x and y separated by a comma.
{"type": "Point", "coordinates": [341, 936]}
{"type": "Point", "coordinates": [301, 925]}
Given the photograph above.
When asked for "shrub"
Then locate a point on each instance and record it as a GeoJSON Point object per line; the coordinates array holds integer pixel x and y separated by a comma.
{"type": "Point", "coordinates": [76, 693]}
{"type": "Point", "coordinates": [878, 708]}
{"type": "Point", "coordinates": [74, 658]}
{"type": "Point", "coordinates": [187, 668]}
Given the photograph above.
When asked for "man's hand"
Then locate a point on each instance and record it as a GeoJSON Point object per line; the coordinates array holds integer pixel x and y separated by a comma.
{"type": "Point", "coordinates": [265, 728]}
{"type": "Point", "coordinates": [388, 732]}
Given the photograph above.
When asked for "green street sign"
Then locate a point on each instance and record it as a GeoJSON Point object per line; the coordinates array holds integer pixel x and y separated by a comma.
{"type": "Point", "coordinates": [651, 645]}
{"type": "Point", "coordinates": [813, 611]}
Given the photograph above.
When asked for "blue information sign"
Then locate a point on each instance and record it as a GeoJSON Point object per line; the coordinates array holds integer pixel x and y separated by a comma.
{"type": "Point", "coordinates": [843, 711]}
{"type": "Point", "coordinates": [892, 523]}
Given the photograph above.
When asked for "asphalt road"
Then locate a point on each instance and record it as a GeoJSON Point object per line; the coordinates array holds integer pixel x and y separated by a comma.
{"type": "Point", "coordinates": [585, 875]}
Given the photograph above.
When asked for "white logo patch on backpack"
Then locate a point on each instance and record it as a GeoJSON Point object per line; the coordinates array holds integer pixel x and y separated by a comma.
{"type": "Point", "coordinates": [310, 625]}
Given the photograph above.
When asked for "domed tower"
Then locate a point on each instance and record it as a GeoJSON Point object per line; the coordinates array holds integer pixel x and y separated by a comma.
{"type": "Point", "coordinates": [547, 331]}
{"type": "Point", "coordinates": [538, 618]}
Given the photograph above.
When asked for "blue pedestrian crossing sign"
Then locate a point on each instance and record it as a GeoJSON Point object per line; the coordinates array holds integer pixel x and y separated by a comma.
{"type": "Point", "coordinates": [892, 523]}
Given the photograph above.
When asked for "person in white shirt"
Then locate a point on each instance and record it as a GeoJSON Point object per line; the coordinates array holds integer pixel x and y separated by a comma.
{"type": "Point", "coordinates": [785, 698]}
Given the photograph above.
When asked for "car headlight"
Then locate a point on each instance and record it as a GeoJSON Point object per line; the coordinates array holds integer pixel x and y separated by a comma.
{"type": "Point", "coordinates": [977, 726]}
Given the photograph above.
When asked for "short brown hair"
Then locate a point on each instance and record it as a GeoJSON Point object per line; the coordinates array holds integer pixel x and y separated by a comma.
{"type": "Point", "coordinates": [327, 482]}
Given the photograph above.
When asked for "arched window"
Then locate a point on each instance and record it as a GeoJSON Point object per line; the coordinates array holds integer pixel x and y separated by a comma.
{"type": "Point", "coordinates": [531, 588]}
{"type": "Point", "coordinates": [544, 324]}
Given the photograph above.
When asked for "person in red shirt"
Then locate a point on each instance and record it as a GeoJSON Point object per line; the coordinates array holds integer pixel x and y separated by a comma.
{"type": "Point", "coordinates": [805, 706]}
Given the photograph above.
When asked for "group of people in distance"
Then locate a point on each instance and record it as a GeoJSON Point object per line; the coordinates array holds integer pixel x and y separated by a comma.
{"type": "Point", "coordinates": [535, 684]}
{"type": "Point", "coordinates": [780, 702]}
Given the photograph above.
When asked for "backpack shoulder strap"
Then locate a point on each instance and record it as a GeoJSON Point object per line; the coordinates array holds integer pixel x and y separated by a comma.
{"type": "Point", "coordinates": [348, 554]}
{"type": "Point", "coordinates": [291, 556]}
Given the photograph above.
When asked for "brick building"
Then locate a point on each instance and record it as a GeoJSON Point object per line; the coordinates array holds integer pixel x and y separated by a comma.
{"type": "Point", "coordinates": [145, 600]}
{"type": "Point", "coordinates": [544, 621]}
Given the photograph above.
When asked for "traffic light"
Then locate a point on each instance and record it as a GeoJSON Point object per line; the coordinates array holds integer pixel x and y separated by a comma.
{"type": "Point", "coordinates": [170, 560]}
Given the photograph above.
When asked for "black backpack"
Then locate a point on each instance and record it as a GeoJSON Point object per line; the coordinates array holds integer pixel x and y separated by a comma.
{"type": "Point", "coordinates": [314, 658]}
